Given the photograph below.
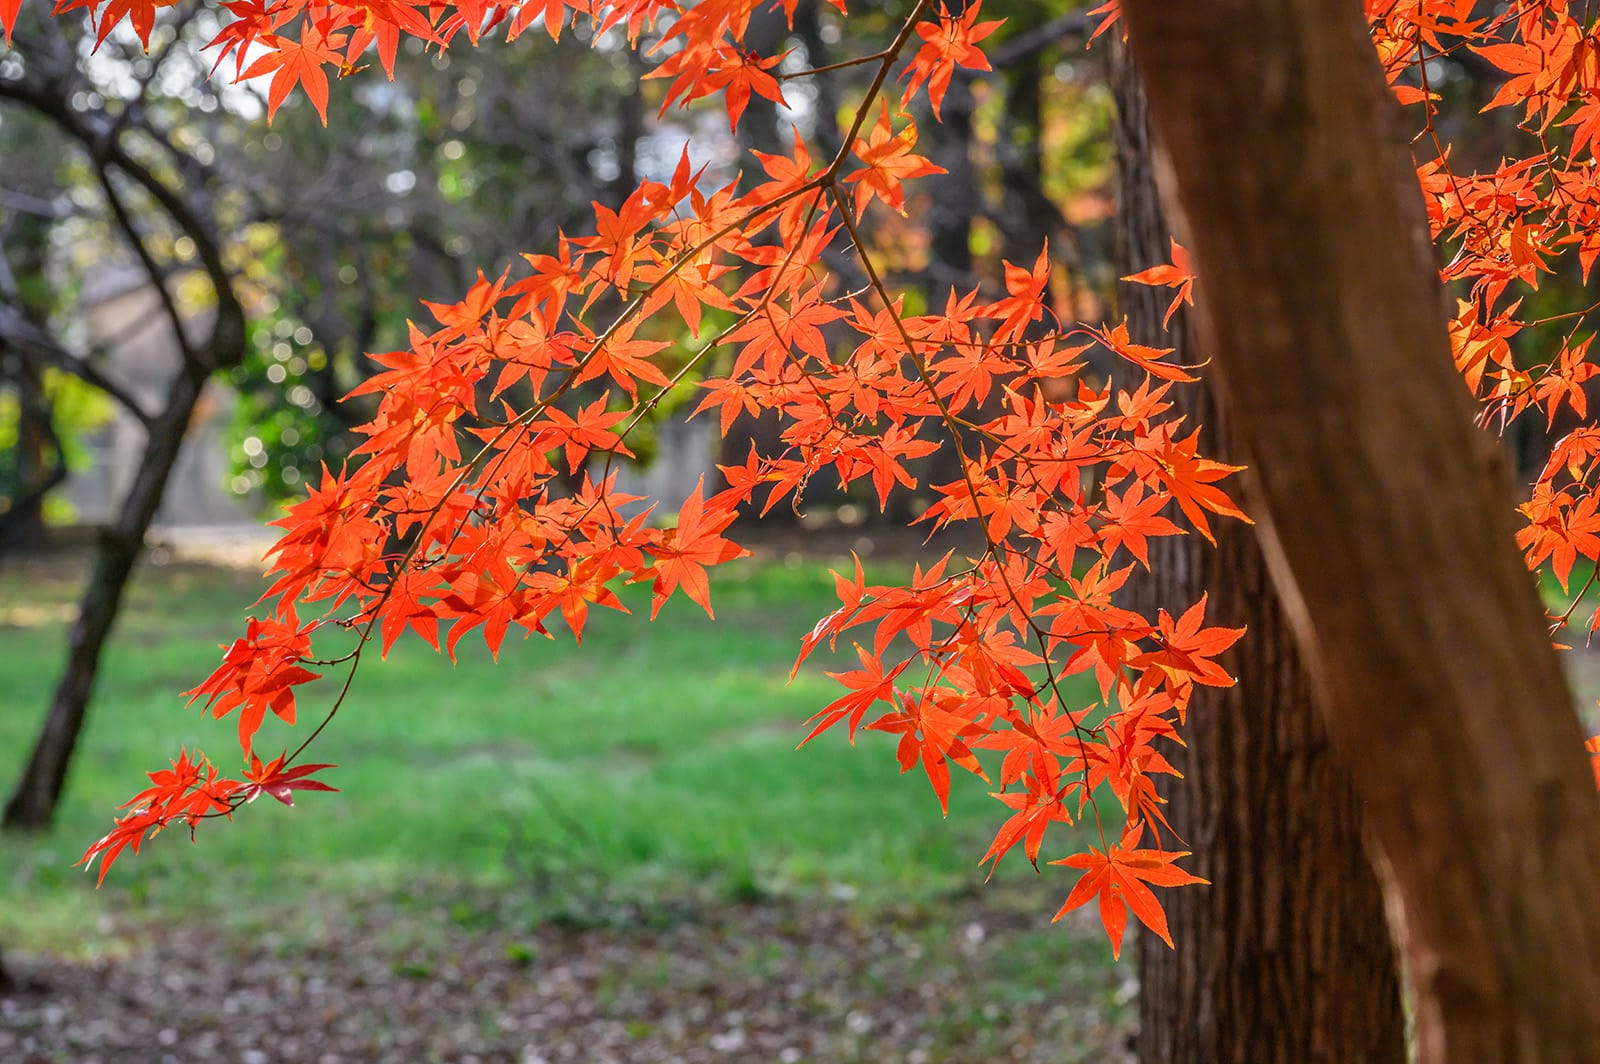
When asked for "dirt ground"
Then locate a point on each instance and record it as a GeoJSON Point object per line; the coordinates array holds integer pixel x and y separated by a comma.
{"type": "Point", "coordinates": [770, 982]}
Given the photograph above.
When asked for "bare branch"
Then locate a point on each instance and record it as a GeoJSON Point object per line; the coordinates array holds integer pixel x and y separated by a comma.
{"type": "Point", "coordinates": [17, 329]}
{"type": "Point", "coordinates": [22, 203]}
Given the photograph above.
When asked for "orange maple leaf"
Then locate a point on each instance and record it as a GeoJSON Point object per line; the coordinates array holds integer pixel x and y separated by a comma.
{"type": "Point", "coordinates": [1178, 274]}
{"type": "Point", "coordinates": [1036, 809]}
{"type": "Point", "coordinates": [888, 162]}
{"type": "Point", "coordinates": [292, 62]}
{"type": "Point", "coordinates": [1121, 878]}
{"type": "Point", "coordinates": [686, 550]}
{"type": "Point", "coordinates": [930, 732]}
{"type": "Point", "coordinates": [947, 44]}
{"type": "Point", "coordinates": [1186, 649]}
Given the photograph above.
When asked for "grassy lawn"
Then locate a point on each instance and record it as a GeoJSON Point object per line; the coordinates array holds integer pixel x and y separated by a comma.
{"type": "Point", "coordinates": [653, 767]}
{"type": "Point", "coordinates": [617, 844]}
{"type": "Point", "coordinates": [631, 814]}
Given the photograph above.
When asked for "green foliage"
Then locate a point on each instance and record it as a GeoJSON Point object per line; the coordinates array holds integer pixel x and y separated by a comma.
{"type": "Point", "coordinates": [281, 432]}
{"type": "Point", "coordinates": [78, 409]}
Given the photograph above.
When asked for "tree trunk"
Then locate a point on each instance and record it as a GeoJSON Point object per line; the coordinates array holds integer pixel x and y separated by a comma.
{"type": "Point", "coordinates": [1386, 517]}
{"type": "Point", "coordinates": [37, 466]}
{"type": "Point", "coordinates": [33, 803]}
{"type": "Point", "coordinates": [1286, 956]}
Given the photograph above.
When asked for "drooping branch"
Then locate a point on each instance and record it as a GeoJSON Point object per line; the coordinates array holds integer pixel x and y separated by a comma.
{"type": "Point", "coordinates": [16, 329]}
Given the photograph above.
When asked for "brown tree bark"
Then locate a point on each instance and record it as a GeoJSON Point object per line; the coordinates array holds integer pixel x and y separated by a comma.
{"type": "Point", "coordinates": [1286, 956]}
{"type": "Point", "coordinates": [1386, 517]}
{"type": "Point", "coordinates": [36, 466]}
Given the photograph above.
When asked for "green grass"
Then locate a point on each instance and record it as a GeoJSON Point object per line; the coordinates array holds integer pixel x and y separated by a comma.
{"type": "Point", "coordinates": [654, 765]}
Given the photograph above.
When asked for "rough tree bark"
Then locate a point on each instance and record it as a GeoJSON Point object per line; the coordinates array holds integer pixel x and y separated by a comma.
{"type": "Point", "coordinates": [1286, 956]}
{"type": "Point", "coordinates": [1386, 517]}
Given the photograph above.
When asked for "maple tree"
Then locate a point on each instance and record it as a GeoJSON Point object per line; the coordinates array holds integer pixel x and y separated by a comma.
{"type": "Point", "coordinates": [458, 517]}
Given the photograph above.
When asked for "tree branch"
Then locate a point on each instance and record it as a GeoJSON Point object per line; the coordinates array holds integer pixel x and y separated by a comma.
{"type": "Point", "coordinates": [17, 329]}
{"type": "Point", "coordinates": [1029, 43]}
{"type": "Point", "coordinates": [227, 331]}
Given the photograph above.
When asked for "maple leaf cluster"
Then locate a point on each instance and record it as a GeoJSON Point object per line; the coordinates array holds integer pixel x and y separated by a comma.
{"type": "Point", "coordinates": [194, 790]}
{"type": "Point", "coordinates": [1505, 231]}
{"type": "Point", "coordinates": [484, 496]}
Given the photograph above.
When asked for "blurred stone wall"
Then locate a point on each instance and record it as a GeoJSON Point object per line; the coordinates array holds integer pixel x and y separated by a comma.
{"type": "Point", "coordinates": [124, 323]}
{"type": "Point", "coordinates": [123, 319]}
{"type": "Point", "coordinates": [685, 451]}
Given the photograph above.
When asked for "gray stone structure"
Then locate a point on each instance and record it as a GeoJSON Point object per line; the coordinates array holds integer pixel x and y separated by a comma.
{"type": "Point", "coordinates": [122, 318]}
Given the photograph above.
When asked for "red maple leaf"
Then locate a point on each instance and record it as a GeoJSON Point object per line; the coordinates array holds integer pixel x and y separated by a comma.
{"type": "Point", "coordinates": [1121, 879]}
{"type": "Point", "coordinates": [292, 62]}
{"type": "Point", "coordinates": [1036, 809]}
{"type": "Point", "coordinates": [1179, 274]}
{"type": "Point", "coordinates": [934, 735]}
{"type": "Point", "coordinates": [686, 550]}
{"type": "Point", "coordinates": [280, 782]}
{"type": "Point", "coordinates": [868, 685]}
{"type": "Point", "coordinates": [1186, 650]}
